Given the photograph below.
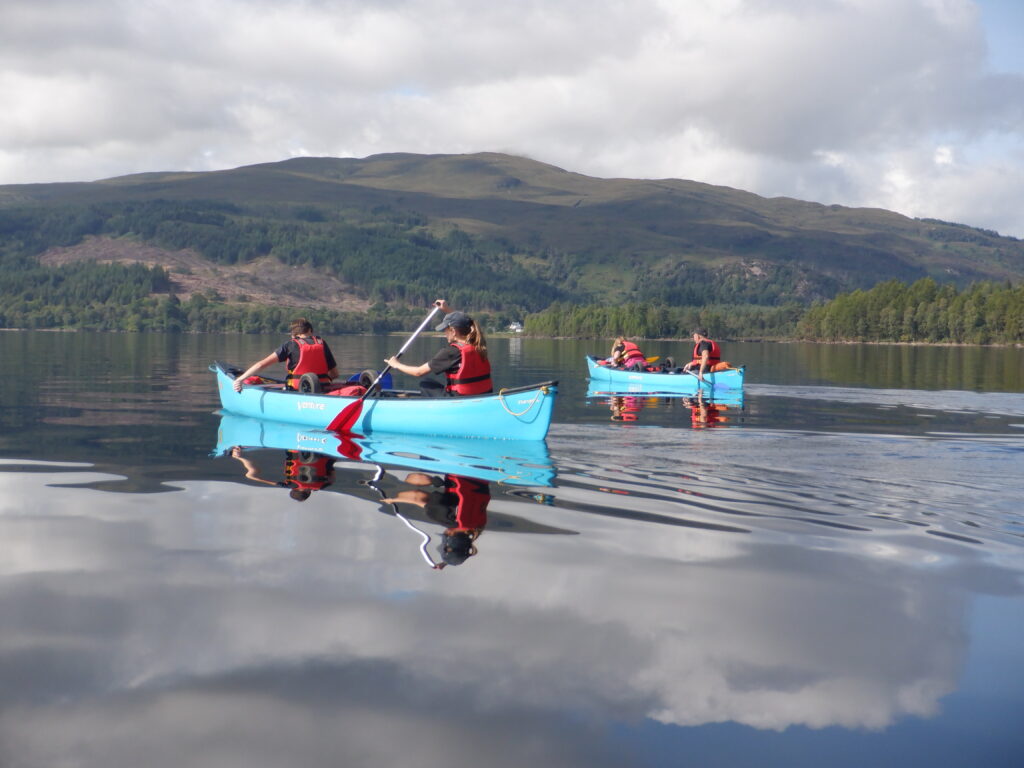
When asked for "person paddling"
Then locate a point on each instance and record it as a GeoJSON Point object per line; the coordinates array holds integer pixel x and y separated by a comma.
{"type": "Point", "coordinates": [706, 354]}
{"type": "Point", "coordinates": [463, 360]}
{"type": "Point", "coordinates": [304, 352]}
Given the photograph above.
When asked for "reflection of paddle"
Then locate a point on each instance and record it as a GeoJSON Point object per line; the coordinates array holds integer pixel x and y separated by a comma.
{"type": "Point", "coordinates": [350, 413]}
{"type": "Point", "coordinates": [374, 483]}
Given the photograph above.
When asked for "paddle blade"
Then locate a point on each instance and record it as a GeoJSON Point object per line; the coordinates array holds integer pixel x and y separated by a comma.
{"type": "Point", "coordinates": [348, 448]}
{"type": "Point", "coordinates": [349, 415]}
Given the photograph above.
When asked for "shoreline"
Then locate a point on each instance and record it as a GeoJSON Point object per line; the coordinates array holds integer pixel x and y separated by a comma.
{"type": "Point", "coordinates": [1009, 344]}
{"type": "Point", "coordinates": [688, 340]}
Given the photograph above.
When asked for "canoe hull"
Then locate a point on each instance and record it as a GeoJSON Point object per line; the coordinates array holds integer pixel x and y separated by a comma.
{"type": "Point", "coordinates": [523, 413]}
{"type": "Point", "coordinates": [606, 380]}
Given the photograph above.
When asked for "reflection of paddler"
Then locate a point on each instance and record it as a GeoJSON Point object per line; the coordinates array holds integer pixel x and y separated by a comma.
{"type": "Point", "coordinates": [304, 472]}
{"type": "Point", "coordinates": [706, 413]}
{"type": "Point", "coordinates": [456, 502]}
{"type": "Point", "coordinates": [625, 408]}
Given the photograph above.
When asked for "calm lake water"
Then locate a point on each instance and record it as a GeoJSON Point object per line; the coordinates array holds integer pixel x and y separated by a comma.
{"type": "Point", "coordinates": [828, 573]}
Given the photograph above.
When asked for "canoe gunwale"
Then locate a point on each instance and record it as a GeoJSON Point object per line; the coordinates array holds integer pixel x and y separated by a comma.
{"type": "Point", "coordinates": [386, 394]}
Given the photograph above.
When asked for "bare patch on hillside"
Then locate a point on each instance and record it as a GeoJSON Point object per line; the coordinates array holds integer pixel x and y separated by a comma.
{"type": "Point", "coordinates": [264, 281]}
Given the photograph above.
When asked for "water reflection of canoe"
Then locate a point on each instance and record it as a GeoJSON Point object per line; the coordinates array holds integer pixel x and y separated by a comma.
{"type": "Point", "coordinates": [511, 462]}
{"type": "Point", "coordinates": [729, 397]}
{"type": "Point", "coordinates": [617, 380]}
{"type": "Point", "coordinates": [519, 413]}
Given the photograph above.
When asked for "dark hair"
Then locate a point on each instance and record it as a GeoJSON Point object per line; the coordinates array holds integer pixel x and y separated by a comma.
{"type": "Point", "coordinates": [700, 331]}
{"type": "Point", "coordinates": [299, 326]}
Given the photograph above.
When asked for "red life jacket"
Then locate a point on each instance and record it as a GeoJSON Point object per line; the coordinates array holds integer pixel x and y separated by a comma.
{"type": "Point", "coordinates": [311, 360]}
{"type": "Point", "coordinates": [632, 354]}
{"type": "Point", "coordinates": [474, 496]}
{"type": "Point", "coordinates": [308, 471]}
{"type": "Point", "coordinates": [714, 355]}
{"type": "Point", "coordinates": [473, 376]}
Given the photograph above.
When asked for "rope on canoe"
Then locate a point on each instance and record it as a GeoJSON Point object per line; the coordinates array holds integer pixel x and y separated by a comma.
{"type": "Point", "coordinates": [501, 399]}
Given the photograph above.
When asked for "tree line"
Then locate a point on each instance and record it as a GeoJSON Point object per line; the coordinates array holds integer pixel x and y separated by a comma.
{"type": "Point", "coordinates": [893, 311]}
{"type": "Point", "coordinates": [982, 313]}
{"type": "Point", "coordinates": [656, 320]}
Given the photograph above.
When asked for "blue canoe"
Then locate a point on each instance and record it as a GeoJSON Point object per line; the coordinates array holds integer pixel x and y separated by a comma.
{"type": "Point", "coordinates": [508, 462]}
{"type": "Point", "coordinates": [519, 413]}
{"type": "Point", "coordinates": [607, 380]}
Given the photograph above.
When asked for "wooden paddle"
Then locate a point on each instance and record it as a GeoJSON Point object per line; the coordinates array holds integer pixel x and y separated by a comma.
{"type": "Point", "coordinates": [350, 413]}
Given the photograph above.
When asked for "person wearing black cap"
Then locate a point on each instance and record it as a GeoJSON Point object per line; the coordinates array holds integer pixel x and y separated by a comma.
{"type": "Point", "coordinates": [463, 360]}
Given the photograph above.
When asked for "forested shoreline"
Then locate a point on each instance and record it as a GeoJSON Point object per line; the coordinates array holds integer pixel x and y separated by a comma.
{"type": "Point", "coordinates": [114, 297]}
{"type": "Point", "coordinates": [892, 312]}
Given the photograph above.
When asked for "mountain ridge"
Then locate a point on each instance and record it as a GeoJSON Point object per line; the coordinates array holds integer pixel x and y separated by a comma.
{"type": "Point", "coordinates": [596, 239]}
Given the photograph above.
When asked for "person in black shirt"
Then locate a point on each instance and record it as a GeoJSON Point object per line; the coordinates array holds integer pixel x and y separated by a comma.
{"type": "Point", "coordinates": [706, 354]}
{"type": "Point", "coordinates": [318, 356]}
{"type": "Point", "coordinates": [462, 360]}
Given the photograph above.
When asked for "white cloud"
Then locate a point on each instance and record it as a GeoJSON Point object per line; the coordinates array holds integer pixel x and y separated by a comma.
{"type": "Point", "coordinates": [759, 96]}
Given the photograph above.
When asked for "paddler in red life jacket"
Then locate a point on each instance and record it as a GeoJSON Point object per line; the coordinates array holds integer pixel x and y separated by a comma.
{"type": "Point", "coordinates": [626, 354]}
{"type": "Point", "coordinates": [304, 353]}
{"type": "Point", "coordinates": [706, 354]}
{"type": "Point", "coordinates": [463, 360]}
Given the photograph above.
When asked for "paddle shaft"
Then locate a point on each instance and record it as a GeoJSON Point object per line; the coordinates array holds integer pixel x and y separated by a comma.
{"type": "Point", "coordinates": [698, 378]}
{"type": "Point", "coordinates": [400, 352]}
{"type": "Point", "coordinates": [351, 413]}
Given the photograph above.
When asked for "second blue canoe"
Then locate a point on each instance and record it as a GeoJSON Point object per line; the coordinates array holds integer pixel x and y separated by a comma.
{"type": "Point", "coordinates": [606, 379]}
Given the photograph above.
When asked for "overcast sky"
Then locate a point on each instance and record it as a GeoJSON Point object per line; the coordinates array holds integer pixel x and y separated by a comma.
{"type": "Point", "coordinates": [912, 105]}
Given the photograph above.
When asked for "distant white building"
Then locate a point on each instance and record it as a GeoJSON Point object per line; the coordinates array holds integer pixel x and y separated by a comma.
{"type": "Point", "coordinates": [515, 327]}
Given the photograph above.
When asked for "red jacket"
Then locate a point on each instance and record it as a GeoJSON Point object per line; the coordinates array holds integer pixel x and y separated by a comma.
{"type": "Point", "coordinates": [632, 353]}
{"type": "Point", "coordinates": [714, 356]}
{"type": "Point", "coordinates": [311, 360]}
{"type": "Point", "coordinates": [473, 376]}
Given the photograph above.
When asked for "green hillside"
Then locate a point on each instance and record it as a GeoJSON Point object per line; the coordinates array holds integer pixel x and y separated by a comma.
{"type": "Point", "coordinates": [494, 232]}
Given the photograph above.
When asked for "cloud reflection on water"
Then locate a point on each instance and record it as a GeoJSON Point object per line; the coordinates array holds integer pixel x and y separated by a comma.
{"type": "Point", "coordinates": [151, 629]}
